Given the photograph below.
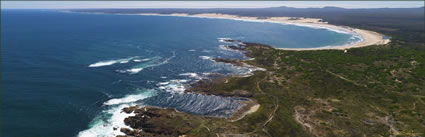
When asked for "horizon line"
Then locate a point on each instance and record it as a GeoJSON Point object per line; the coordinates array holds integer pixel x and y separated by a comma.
{"type": "Point", "coordinates": [215, 8]}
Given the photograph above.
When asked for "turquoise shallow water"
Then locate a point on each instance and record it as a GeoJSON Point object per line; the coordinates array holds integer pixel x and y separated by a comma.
{"type": "Point", "coordinates": [69, 74]}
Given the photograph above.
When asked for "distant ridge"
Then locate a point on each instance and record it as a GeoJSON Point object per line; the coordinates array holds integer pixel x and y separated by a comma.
{"type": "Point", "coordinates": [332, 7]}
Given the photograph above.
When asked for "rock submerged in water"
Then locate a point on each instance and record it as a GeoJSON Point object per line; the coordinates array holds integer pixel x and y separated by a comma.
{"type": "Point", "coordinates": [130, 109]}
{"type": "Point", "coordinates": [235, 62]}
{"type": "Point", "coordinates": [230, 40]}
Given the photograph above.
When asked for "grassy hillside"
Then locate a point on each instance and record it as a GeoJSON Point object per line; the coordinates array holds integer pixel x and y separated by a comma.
{"type": "Point", "coordinates": [371, 91]}
{"type": "Point", "coordinates": [378, 90]}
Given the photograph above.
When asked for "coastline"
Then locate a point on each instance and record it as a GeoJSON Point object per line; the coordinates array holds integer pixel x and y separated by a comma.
{"type": "Point", "coordinates": [260, 109]}
{"type": "Point", "coordinates": [367, 37]}
{"type": "Point", "coordinates": [144, 120]}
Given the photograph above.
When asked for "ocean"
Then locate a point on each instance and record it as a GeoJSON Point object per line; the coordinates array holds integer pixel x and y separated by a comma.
{"type": "Point", "coordinates": [70, 74]}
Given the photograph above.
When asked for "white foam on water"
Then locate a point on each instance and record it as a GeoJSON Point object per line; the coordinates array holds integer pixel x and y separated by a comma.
{"type": "Point", "coordinates": [173, 86]}
{"type": "Point", "coordinates": [206, 73]}
{"type": "Point", "coordinates": [112, 62]}
{"type": "Point", "coordinates": [127, 99]}
{"type": "Point", "coordinates": [205, 57]}
{"type": "Point", "coordinates": [189, 74]}
{"type": "Point", "coordinates": [146, 59]}
{"type": "Point", "coordinates": [132, 71]}
{"type": "Point", "coordinates": [179, 80]}
{"type": "Point", "coordinates": [103, 124]}
{"type": "Point", "coordinates": [224, 38]}
{"type": "Point", "coordinates": [168, 59]}
{"type": "Point", "coordinates": [152, 62]}
{"type": "Point", "coordinates": [105, 128]}
{"type": "Point", "coordinates": [192, 50]}
{"type": "Point", "coordinates": [102, 63]}
{"type": "Point", "coordinates": [124, 61]}
{"type": "Point", "coordinates": [192, 75]}
{"type": "Point", "coordinates": [246, 70]}
{"type": "Point", "coordinates": [137, 60]}
{"type": "Point", "coordinates": [163, 83]}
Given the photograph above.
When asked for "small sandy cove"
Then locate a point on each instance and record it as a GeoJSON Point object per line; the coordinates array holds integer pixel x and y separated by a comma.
{"type": "Point", "coordinates": [368, 37]}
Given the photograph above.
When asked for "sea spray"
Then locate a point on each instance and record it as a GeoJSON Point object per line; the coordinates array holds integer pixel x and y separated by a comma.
{"type": "Point", "coordinates": [111, 119]}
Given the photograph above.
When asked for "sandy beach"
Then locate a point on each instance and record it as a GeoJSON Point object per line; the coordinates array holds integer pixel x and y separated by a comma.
{"type": "Point", "coordinates": [367, 37]}
{"type": "Point", "coordinates": [251, 108]}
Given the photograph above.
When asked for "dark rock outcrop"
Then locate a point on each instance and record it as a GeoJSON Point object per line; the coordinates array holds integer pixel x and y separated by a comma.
{"type": "Point", "coordinates": [150, 121]}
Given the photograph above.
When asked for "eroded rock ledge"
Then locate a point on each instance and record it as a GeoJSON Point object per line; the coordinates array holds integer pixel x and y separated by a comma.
{"type": "Point", "coordinates": [153, 121]}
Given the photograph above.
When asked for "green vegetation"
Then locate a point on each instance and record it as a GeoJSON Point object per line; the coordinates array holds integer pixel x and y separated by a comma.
{"type": "Point", "coordinates": [371, 91]}
{"type": "Point", "coordinates": [377, 90]}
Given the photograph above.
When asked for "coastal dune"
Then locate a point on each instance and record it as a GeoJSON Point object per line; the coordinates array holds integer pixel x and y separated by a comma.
{"type": "Point", "coordinates": [367, 37]}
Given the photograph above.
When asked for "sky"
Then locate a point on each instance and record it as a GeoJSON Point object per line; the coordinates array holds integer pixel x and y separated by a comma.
{"type": "Point", "coordinates": [204, 4]}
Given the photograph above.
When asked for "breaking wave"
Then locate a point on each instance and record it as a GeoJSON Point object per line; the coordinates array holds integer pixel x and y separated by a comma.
{"type": "Point", "coordinates": [112, 62]}
{"type": "Point", "coordinates": [109, 122]}
{"type": "Point", "coordinates": [173, 86]}
{"type": "Point", "coordinates": [149, 62]}
{"type": "Point", "coordinates": [205, 57]}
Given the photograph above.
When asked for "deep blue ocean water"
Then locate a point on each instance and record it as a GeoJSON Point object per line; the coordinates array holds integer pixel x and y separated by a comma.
{"type": "Point", "coordinates": [69, 74]}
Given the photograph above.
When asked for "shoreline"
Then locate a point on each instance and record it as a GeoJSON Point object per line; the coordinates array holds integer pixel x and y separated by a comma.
{"type": "Point", "coordinates": [144, 120]}
{"type": "Point", "coordinates": [367, 37]}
